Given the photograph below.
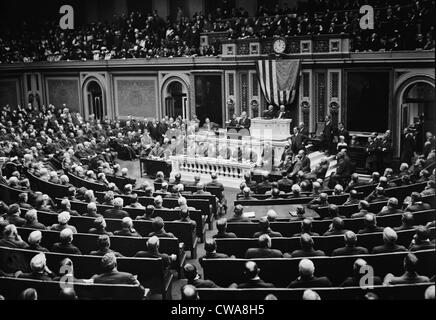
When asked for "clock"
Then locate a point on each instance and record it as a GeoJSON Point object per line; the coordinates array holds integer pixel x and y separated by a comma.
{"type": "Point", "coordinates": [279, 45]}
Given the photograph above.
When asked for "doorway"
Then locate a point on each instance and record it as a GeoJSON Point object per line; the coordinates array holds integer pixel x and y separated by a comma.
{"type": "Point", "coordinates": [175, 102]}
{"type": "Point", "coordinates": [418, 110]}
{"type": "Point", "coordinates": [208, 98]}
{"type": "Point", "coordinates": [94, 96]}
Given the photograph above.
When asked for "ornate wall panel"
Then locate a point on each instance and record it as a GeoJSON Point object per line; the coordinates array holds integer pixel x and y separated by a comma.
{"type": "Point", "coordinates": [64, 91]}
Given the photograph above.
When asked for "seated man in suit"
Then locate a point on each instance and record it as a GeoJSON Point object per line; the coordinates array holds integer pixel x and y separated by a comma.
{"type": "Point", "coordinates": [153, 252]}
{"type": "Point", "coordinates": [389, 238]}
{"type": "Point", "coordinates": [421, 240]}
{"type": "Point", "coordinates": [363, 209]}
{"type": "Point", "coordinates": [221, 226]}
{"type": "Point", "coordinates": [244, 122]}
{"type": "Point", "coordinates": [39, 270]}
{"type": "Point", "coordinates": [11, 238]}
{"type": "Point", "coordinates": [285, 183]}
{"type": "Point", "coordinates": [34, 241]}
{"type": "Point", "coordinates": [358, 273]}
{"type": "Point", "coordinates": [159, 230]}
{"type": "Point", "coordinates": [265, 184]}
{"type": "Point", "coordinates": [249, 182]}
{"type": "Point", "coordinates": [390, 208]}
{"type": "Point", "coordinates": [111, 275]}
{"type": "Point", "coordinates": [270, 113]}
{"type": "Point", "coordinates": [264, 250]}
{"type": "Point", "coordinates": [201, 189]}
{"type": "Point", "coordinates": [99, 227]}
{"type": "Point", "coordinates": [209, 125]}
{"type": "Point", "coordinates": [282, 113]}
{"type": "Point", "coordinates": [337, 227]}
{"type": "Point", "coordinates": [194, 279]}
{"type": "Point", "coordinates": [66, 243]}
{"type": "Point", "coordinates": [410, 275]}
{"type": "Point", "coordinates": [63, 219]}
{"type": "Point", "coordinates": [352, 199]}
{"type": "Point", "coordinates": [246, 194]}
{"type": "Point", "coordinates": [370, 223]}
{"type": "Point", "coordinates": [251, 273]}
{"type": "Point", "coordinates": [407, 222]}
{"type": "Point", "coordinates": [377, 195]}
{"type": "Point", "coordinates": [238, 216]}
{"type": "Point", "coordinates": [216, 184]}
{"type": "Point", "coordinates": [13, 216]}
{"type": "Point", "coordinates": [31, 217]}
{"type": "Point", "coordinates": [307, 278]}
{"type": "Point", "coordinates": [117, 211]}
{"type": "Point", "coordinates": [416, 203]}
{"type": "Point", "coordinates": [127, 229]}
{"type": "Point", "coordinates": [264, 227]}
{"type": "Point", "coordinates": [210, 248]}
{"type": "Point", "coordinates": [233, 123]}
{"type": "Point", "coordinates": [103, 245]}
{"type": "Point", "coordinates": [350, 248]}
{"type": "Point", "coordinates": [307, 248]}
{"type": "Point", "coordinates": [306, 228]}
{"type": "Point", "coordinates": [158, 203]}
{"type": "Point", "coordinates": [354, 182]}
{"type": "Point", "coordinates": [430, 189]}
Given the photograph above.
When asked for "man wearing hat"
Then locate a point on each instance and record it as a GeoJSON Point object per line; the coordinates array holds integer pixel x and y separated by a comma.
{"type": "Point", "coordinates": [39, 270]}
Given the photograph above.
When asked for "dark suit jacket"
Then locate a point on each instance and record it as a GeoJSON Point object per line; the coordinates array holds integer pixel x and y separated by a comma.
{"type": "Point", "coordinates": [315, 282]}
{"type": "Point", "coordinates": [385, 248]}
{"type": "Point", "coordinates": [408, 278]}
{"type": "Point", "coordinates": [65, 248]}
{"type": "Point", "coordinates": [115, 277]}
{"type": "Point", "coordinates": [269, 232]}
{"type": "Point", "coordinates": [35, 225]}
{"type": "Point", "coordinates": [115, 213]}
{"type": "Point", "coordinates": [254, 253]}
{"type": "Point", "coordinates": [307, 253]}
{"type": "Point", "coordinates": [418, 207]}
{"type": "Point", "coordinates": [283, 115]}
{"type": "Point", "coordinates": [147, 254]}
{"type": "Point", "coordinates": [226, 235]}
{"type": "Point", "coordinates": [355, 281]}
{"type": "Point", "coordinates": [259, 283]}
{"type": "Point", "coordinates": [370, 230]}
{"type": "Point", "coordinates": [269, 114]}
{"type": "Point", "coordinates": [200, 283]}
{"type": "Point", "coordinates": [236, 218]}
{"type": "Point", "coordinates": [245, 123]}
{"type": "Point", "coordinates": [162, 234]}
{"type": "Point", "coordinates": [349, 251]}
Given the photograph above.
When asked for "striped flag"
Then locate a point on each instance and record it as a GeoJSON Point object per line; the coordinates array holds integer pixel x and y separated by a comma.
{"type": "Point", "coordinates": [278, 80]}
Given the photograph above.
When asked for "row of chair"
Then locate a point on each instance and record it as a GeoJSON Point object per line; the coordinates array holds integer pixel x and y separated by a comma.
{"type": "Point", "coordinates": [397, 292]}
{"type": "Point", "coordinates": [289, 228]}
{"type": "Point", "coordinates": [150, 271]}
{"type": "Point", "coordinates": [282, 271]}
{"type": "Point", "coordinates": [11, 289]}
{"type": "Point", "coordinates": [181, 230]}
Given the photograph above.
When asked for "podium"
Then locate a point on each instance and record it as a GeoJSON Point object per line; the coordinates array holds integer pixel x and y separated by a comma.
{"type": "Point", "coordinates": [270, 129]}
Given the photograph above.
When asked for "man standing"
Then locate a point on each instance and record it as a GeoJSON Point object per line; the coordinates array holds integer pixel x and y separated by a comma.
{"type": "Point", "coordinates": [328, 134]}
{"type": "Point", "coordinates": [283, 114]}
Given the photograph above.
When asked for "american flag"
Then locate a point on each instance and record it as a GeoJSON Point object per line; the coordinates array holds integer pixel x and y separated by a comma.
{"type": "Point", "coordinates": [278, 80]}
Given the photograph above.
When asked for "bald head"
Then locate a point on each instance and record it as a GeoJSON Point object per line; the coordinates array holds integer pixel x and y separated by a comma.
{"type": "Point", "coordinates": [350, 238]}
{"type": "Point", "coordinates": [310, 295]}
{"type": "Point", "coordinates": [389, 235]}
{"type": "Point", "coordinates": [189, 292]}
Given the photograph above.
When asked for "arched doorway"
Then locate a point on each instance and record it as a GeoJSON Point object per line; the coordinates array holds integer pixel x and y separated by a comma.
{"type": "Point", "coordinates": [175, 100]}
{"type": "Point", "coordinates": [418, 109]}
{"type": "Point", "coordinates": [95, 101]}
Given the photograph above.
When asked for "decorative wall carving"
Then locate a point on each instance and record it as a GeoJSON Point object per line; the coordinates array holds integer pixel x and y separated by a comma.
{"type": "Point", "coordinates": [60, 91]}
{"type": "Point", "coordinates": [136, 97]}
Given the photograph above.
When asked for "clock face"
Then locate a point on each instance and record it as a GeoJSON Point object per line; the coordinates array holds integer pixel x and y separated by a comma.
{"type": "Point", "coordinates": [279, 46]}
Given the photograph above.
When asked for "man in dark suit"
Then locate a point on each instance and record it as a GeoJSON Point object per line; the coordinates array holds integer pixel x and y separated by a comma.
{"type": "Point", "coordinates": [407, 222]}
{"type": "Point", "coordinates": [408, 146]}
{"type": "Point", "coordinates": [307, 278]}
{"type": "Point", "coordinates": [343, 132]}
{"type": "Point", "coordinates": [221, 226]}
{"type": "Point", "coordinates": [421, 240]}
{"type": "Point", "coordinates": [127, 229]}
{"type": "Point", "coordinates": [283, 113]}
{"type": "Point", "coordinates": [354, 280]}
{"type": "Point", "coordinates": [378, 195]}
{"type": "Point", "coordinates": [153, 252]}
{"type": "Point", "coordinates": [265, 184]}
{"type": "Point", "coordinates": [210, 248]}
{"type": "Point", "coordinates": [370, 223]}
{"type": "Point", "coordinates": [363, 210]}
{"type": "Point", "coordinates": [410, 275]}
{"type": "Point", "coordinates": [104, 244]}
{"type": "Point", "coordinates": [265, 229]}
{"type": "Point", "coordinates": [117, 212]}
{"type": "Point", "coordinates": [238, 216]}
{"type": "Point", "coordinates": [31, 217]}
{"type": "Point", "coordinates": [194, 279]}
{"type": "Point", "coordinates": [233, 123]}
{"type": "Point", "coordinates": [389, 238]}
{"type": "Point", "coordinates": [39, 270]}
{"type": "Point", "coordinates": [264, 250]}
{"type": "Point", "coordinates": [13, 216]}
{"type": "Point", "coordinates": [251, 273]}
{"type": "Point", "coordinates": [270, 113]}
{"type": "Point", "coordinates": [337, 227]}
{"type": "Point", "coordinates": [209, 125]}
{"type": "Point", "coordinates": [307, 248]}
{"type": "Point", "coordinates": [159, 230]}
{"type": "Point", "coordinates": [328, 134]}
{"type": "Point", "coordinates": [285, 184]}
{"type": "Point", "coordinates": [111, 275]}
{"type": "Point", "coordinates": [244, 122]}
{"type": "Point", "coordinates": [390, 208]}
{"type": "Point", "coordinates": [306, 227]}
{"type": "Point", "coordinates": [416, 203]}
{"type": "Point", "coordinates": [65, 245]}
{"type": "Point", "coordinates": [350, 248]}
